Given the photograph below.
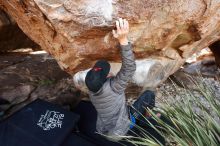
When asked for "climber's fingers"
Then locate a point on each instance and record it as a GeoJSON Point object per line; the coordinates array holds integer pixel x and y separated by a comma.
{"type": "Point", "coordinates": [122, 26]}
{"type": "Point", "coordinates": [114, 33]}
{"type": "Point", "coordinates": [121, 23]}
{"type": "Point", "coordinates": [118, 25]}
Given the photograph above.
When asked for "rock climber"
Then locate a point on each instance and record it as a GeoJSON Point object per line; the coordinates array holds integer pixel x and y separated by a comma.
{"type": "Point", "coordinates": [107, 93]}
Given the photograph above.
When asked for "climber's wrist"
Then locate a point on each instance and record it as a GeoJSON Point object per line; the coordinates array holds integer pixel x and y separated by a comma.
{"type": "Point", "coordinates": [123, 41]}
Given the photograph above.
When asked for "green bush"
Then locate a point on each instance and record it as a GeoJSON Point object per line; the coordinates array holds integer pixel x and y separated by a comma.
{"type": "Point", "coordinates": [195, 120]}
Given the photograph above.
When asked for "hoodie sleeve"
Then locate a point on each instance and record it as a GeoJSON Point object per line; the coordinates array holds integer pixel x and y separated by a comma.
{"type": "Point", "coordinates": [120, 81]}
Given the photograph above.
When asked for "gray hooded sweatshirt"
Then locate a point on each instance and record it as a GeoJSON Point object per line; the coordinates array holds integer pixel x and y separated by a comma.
{"type": "Point", "coordinates": [109, 101]}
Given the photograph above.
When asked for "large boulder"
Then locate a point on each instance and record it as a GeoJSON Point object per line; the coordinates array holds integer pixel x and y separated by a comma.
{"type": "Point", "coordinates": [78, 32]}
{"type": "Point", "coordinates": [26, 77]}
{"type": "Point", "coordinates": [11, 36]}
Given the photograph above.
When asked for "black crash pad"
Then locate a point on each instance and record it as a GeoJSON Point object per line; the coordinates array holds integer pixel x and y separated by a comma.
{"type": "Point", "coordinates": [38, 124]}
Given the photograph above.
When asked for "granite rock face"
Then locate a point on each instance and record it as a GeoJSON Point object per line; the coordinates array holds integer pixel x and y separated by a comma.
{"type": "Point", "coordinates": [78, 32]}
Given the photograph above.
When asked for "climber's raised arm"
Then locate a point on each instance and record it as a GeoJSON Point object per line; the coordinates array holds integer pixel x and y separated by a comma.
{"type": "Point", "coordinates": [120, 81]}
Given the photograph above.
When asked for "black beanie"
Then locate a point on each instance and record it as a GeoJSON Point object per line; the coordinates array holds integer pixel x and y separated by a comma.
{"type": "Point", "coordinates": [96, 77]}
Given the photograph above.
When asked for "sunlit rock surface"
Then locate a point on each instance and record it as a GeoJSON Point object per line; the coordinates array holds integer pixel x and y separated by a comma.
{"type": "Point", "coordinates": [78, 32]}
